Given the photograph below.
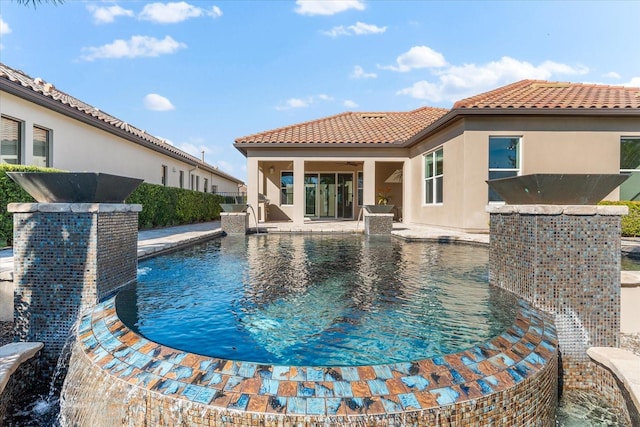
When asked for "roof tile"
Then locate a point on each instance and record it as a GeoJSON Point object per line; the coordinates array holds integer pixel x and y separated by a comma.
{"type": "Point", "coordinates": [352, 128]}
{"type": "Point", "coordinates": [545, 94]}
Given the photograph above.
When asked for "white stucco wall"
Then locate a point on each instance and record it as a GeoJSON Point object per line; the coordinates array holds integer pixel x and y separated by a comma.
{"type": "Point", "coordinates": [78, 147]}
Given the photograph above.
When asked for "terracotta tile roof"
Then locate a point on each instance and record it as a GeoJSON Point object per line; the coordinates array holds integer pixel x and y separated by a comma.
{"type": "Point", "coordinates": [48, 90]}
{"type": "Point", "coordinates": [533, 94]}
{"type": "Point", "coordinates": [351, 128]}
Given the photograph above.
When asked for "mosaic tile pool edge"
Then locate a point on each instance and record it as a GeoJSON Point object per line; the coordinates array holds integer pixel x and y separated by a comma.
{"type": "Point", "coordinates": [517, 370]}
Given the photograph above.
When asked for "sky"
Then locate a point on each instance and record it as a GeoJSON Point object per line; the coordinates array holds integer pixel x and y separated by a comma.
{"type": "Point", "coordinates": [201, 73]}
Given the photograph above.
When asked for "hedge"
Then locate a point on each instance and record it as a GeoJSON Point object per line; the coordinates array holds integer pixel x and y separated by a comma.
{"type": "Point", "coordinates": [630, 223]}
{"type": "Point", "coordinates": [162, 206]}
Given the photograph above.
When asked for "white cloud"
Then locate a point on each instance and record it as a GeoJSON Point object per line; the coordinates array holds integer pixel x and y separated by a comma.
{"type": "Point", "coordinates": [350, 104]}
{"type": "Point", "coordinates": [171, 13]}
{"type": "Point", "coordinates": [136, 46]}
{"type": "Point", "coordinates": [359, 73]}
{"type": "Point", "coordinates": [417, 57]}
{"type": "Point", "coordinates": [215, 12]}
{"type": "Point", "coordinates": [4, 27]}
{"type": "Point", "coordinates": [327, 7]}
{"type": "Point", "coordinates": [292, 103]}
{"type": "Point", "coordinates": [457, 82]}
{"type": "Point", "coordinates": [358, 29]}
{"type": "Point", "coordinates": [105, 15]}
{"type": "Point", "coordinates": [634, 82]}
{"type": "Point", "coordinates": [612, 75]}
{"type": "Point", "coordinates": [156, 102]}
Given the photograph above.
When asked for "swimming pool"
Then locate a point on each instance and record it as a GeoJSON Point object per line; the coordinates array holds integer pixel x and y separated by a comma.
{"type": "Point", "coordinates": [318, 300]}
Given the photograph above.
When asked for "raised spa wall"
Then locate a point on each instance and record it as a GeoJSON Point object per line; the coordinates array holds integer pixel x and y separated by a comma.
{"type": "Point", "coordinates": [565, 260]}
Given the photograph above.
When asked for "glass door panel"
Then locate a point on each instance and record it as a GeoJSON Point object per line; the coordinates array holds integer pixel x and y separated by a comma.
{"type": "Point", "coordinates": [345, 195]}
{"type": "Point", "coordinates": [310, 194]}
{"type": "Point", "coordinates": [327, 195]}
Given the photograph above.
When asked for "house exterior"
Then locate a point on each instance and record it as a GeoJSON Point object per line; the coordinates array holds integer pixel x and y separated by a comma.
{"type": "Point", "coordinates": [43, 126]}
{"type": "Point", "coordinates": [433, 163]}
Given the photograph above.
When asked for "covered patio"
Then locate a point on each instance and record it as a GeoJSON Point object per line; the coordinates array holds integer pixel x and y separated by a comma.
{"type": "Point", "coordinates": [296, 189]}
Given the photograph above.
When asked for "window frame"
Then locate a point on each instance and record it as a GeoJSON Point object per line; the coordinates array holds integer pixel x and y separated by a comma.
{"type": "Point", "coordinates": [517, 170]}
{"type": "Point", "coordinates": [20, 139]}
{"type": "Point", "coordinates": [48, 143]}
{"type": "Point", "coordinates": [181, 179]}
{"type": "Point", "coordinates": [205, 185]}
{"type": "Point", "coordinates": [284, 195]}
{"type": "Point", "coordinates": [631, 172]}
{"type": "Point", "coordinates": [165, 175]}
{"type": "Point", "coordinates": [360, 192]}
{"type": "Point", "coordinates": [432, 181]}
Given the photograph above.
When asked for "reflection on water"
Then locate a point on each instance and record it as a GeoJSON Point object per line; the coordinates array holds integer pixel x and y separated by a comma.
{"type": "Point", "coordinates": [318, 300]}
{"type": "Point", "coordinates": [579, 408]}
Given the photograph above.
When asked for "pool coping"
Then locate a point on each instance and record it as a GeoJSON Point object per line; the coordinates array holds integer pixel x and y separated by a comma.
{"type": "Point", "coordinates": [518, 354]}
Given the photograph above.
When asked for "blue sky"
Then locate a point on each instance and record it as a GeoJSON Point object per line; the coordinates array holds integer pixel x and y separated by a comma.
{"type": "Point", "coordinates": [202, 73]}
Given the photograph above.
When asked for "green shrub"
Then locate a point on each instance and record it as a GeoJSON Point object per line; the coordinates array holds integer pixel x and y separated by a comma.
{"type": "Point", "coordinates": [10, 192]}
{"type": "Point", "coordinates": [164, 206]}
{"type": "Point", "coordinates": [630, 223]}
{"type": "Point", "coordinates": [161, 206]}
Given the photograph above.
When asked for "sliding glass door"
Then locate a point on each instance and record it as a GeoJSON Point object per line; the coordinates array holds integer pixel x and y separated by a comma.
{"type": "Point", "coordinates": [329, 195]}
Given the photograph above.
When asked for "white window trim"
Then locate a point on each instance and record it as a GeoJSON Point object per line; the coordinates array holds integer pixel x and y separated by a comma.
{"type": "Point", "coordinates": [280, 188]}
{"type": "Point", "coordinates": [518, 170]}
{"type": "Point", "coordinates": [432, 179]}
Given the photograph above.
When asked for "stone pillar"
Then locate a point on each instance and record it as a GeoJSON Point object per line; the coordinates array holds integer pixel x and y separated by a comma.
{"type": "Point", "coordinates": [378, 223]}
{"type": "Point", "coordinates": [67, 257]}
{"type": "Point", "coordinates": [234, 222]}
{"type": "Point", "coordinates": [564, 260]}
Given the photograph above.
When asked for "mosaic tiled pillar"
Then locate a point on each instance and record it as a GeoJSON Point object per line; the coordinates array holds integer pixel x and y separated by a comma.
{"type": "Point", "coordinates": [67, 257]}
{"type": "Point", "coordinates": [378, 223]}
{"type": "Point", "coordinates": [234, 222]}
{"type": "Point", "coordinates": [566, 261]}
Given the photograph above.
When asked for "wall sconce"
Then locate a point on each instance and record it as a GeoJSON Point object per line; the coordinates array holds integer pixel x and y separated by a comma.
{"type": "Point", "coordinates": [271, 170]}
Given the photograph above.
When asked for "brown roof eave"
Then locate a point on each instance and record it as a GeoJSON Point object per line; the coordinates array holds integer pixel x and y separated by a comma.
{"type": "Point", "coordinates": [243, 146]}
{"type": "Point", "coordinates": [54, 105]}
{"type": "Point", "coordinates": [460, 113]}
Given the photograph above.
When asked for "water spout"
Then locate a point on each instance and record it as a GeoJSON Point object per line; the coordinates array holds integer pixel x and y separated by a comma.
{"type": "Point", "coordinates": [255, 218]}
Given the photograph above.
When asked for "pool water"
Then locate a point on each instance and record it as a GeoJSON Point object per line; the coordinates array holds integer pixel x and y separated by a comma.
{"type": "Point", "coordinates": [630, 264]}
{"type": "Point", "coordinates": [318, 300]}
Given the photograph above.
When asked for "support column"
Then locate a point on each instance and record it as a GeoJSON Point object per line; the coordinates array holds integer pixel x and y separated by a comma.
{"type": "Point", "coordinates": [369, 178]}
{"type": "Point", "coordinates": [253, 186]}
{"type": "Point", "coordinates": [566, 261]}
{"type": "Point", "coordinates": [298, 191]}
{"type": "Point", "coordinates": [67, 257]}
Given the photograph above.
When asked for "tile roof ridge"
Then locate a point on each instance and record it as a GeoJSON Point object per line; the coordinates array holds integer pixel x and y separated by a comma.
{"type": "Point", "coordinates": [38, 85]}
{"type": "Point", "coordinates": [522, 84]}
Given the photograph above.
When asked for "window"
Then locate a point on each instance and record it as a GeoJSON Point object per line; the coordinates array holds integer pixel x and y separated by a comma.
{"type": "Point", "coordinates": [206, 185]}
{"type": "Point", "coordinates": [214, 188]}
{"type": "Point", "coordinates": [286, 188]}
{"type": "Point", "coordinates": [504, 160]}
{"type": "Point", "coordinates": [41, 144]}
{"type": "Point", "coordinates": [164, 175]}
{"type": "Point", "coordinates": [181, 179]}
{"type": "Point", "coordinates": [10, 141]}
{"type": "Point", "coordinates": [197, 183]}
{"type": "Point", "coordinates": [360, 188]}
{"type": "Point", "coordinates": [630, 164]}
{"type": "Point", "coordinates": [433, 176]}
{"type": "Point", "coordinates": [193, 180]}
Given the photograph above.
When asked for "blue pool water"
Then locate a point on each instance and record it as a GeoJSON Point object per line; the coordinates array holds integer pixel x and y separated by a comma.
{"type": "Point", "coordinates": [318, 300]}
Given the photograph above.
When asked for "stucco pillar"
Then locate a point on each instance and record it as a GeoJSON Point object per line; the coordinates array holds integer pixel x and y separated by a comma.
{"type": "Point", "coordinates": [253, 187]}
{"type": "Point", "coordinates": [411, 196]}
{"type": "Point", "coordinates": [369, 178]}
{"type": "Point", "coordinates": [298, 191]}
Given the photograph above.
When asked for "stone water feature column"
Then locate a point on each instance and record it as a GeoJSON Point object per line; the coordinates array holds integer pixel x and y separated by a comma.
{"type": "Point", "coordinates": [71, 249]}
{"type": "Point", "coordinates": [564, 259]}
{"type": "Point", "coordinates": [234, 222]}
{"type": "Point", "coordinates": [67, 257]}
